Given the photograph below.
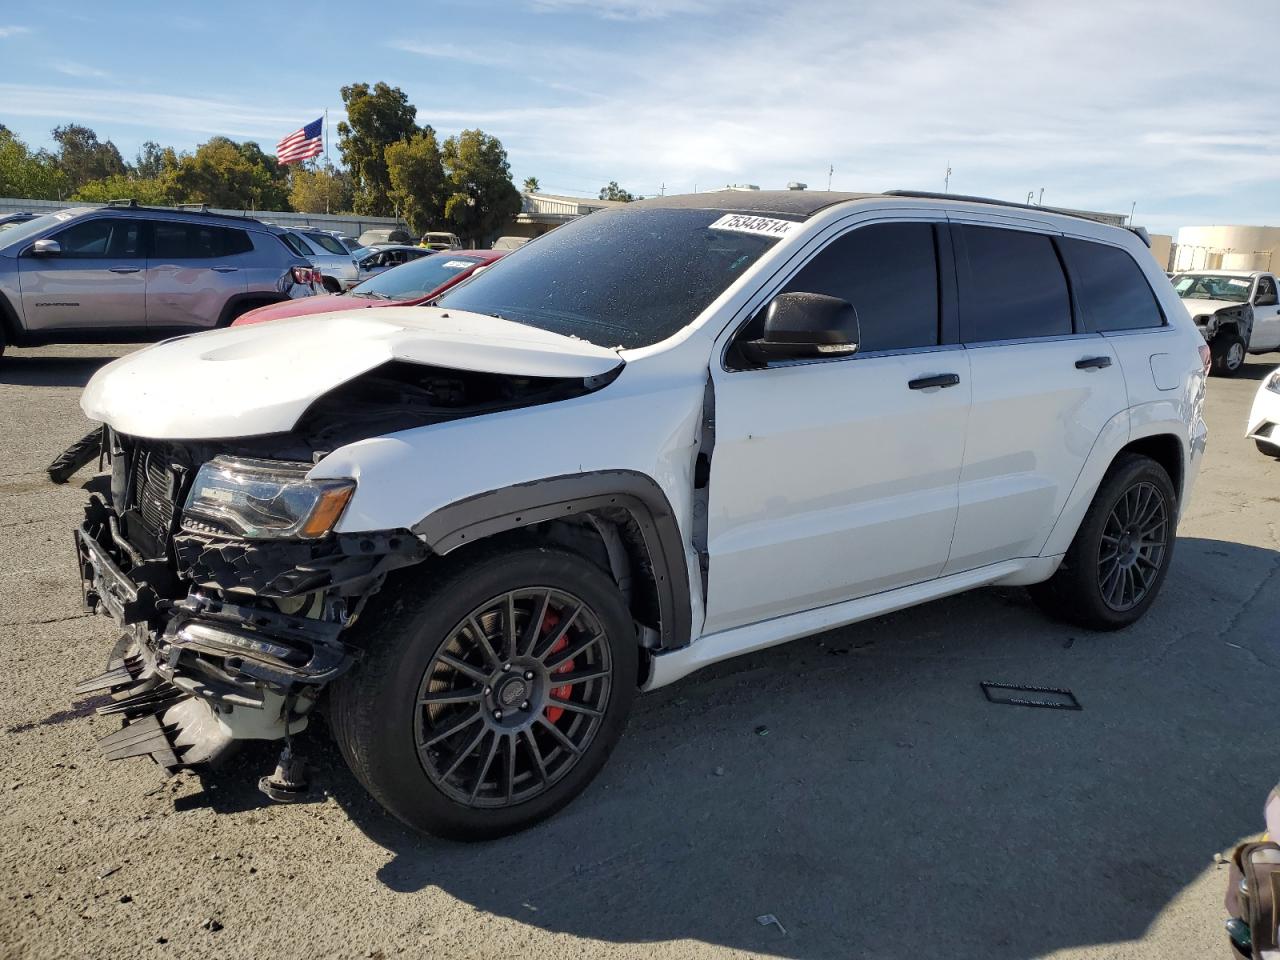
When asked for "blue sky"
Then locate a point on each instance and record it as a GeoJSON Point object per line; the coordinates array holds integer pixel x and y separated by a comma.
{"type": "Point", "coordinates": [1170, 104]}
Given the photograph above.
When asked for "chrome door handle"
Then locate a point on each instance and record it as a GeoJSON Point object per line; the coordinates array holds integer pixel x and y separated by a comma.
{"type": "Point", "coordinates": [124, 269]}
{"type": "Point", "coordinates": [938, 380]}
{"type": "Point", "coordinates": [224, 269]}
{"type": "Point", "coordinates": [1093, 363]}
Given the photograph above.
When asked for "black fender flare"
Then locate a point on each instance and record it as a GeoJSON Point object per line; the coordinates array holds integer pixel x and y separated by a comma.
{"type": "Point", "coordinates": [509, 508]}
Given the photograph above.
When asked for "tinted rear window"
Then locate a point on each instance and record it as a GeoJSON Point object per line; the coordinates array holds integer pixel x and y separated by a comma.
{"type": "Point", "coordinates": [624, 277]}
{"type": "Point", "coordinates": [330, 244]}
{"type": "Point", "coordinates": [196, 241]}
{"type": "Point", "coordinates": [1112, 292]}
{"type": "Point", "coordinates": [1011, 285]}
{"type": "Point", "coordinates": [889, 272]}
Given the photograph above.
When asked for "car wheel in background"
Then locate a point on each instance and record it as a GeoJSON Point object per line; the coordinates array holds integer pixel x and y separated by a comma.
{"type": "Point", "coordinates": [489, 695]}
{"type": "Point", "coordinates": [1228, 351]}
{"type": "Point", "coordinates": [1120, 555]}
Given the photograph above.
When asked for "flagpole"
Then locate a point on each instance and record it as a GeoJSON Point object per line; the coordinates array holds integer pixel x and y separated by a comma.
{"type": "Point", "coordinates": [328, 180]}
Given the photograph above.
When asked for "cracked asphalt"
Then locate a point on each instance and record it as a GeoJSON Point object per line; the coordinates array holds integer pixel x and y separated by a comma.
{"type": "Point", "coordinates": [856, 785]}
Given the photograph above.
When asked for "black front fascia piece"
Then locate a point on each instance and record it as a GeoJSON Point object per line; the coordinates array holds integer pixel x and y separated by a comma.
{"type": "Point", "coordinates": [557, 498]}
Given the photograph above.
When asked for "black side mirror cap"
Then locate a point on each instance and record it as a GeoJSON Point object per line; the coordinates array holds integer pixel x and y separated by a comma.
{"type": "Point", "coordinates": [801, 326]}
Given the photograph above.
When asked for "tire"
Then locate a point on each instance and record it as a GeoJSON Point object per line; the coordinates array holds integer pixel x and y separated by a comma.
{"type": "Point", "coordinates": [385, 732]}
{"type": "Point", "coordinates": [331, 285]}
{"type": "Point", "coordinates": [1228, 352]}
{"type": "Point", "coordinates": [1083, 591]}
{"type": "Point", "coordinates": [1267, 449]}
{"type": "Point", "coordinates": [81, 453]}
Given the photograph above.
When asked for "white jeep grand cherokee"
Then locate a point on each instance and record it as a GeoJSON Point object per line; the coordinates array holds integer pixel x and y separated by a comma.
{"type": "Point", "coordinates": [659, 436]}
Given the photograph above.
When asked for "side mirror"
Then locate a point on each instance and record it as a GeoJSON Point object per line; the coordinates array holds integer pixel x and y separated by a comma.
{"type": "Point", "coordinates": [805, 326]}
{"type": "Point", "coordinates": [46, 248]}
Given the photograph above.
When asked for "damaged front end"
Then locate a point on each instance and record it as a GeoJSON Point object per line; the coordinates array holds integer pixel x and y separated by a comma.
{"type": "Point", "coordinates": [227, 638]}
{"type": "Point", "coordinates": [220, 561]}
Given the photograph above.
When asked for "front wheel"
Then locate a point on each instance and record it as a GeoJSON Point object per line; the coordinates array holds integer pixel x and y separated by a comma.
{"type": "Point", "coordinates": [490, 699]}
{"type": "Point", "coordinates": [1227, 351]}
{"type": "Point", "coordinates": [1267, 449]}
{"type": "Point", "coordinates": [1120, 555]}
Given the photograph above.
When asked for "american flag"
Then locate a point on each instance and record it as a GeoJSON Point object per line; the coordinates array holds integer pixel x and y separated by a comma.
{"type": "Point", "coordinates": [301, 144]}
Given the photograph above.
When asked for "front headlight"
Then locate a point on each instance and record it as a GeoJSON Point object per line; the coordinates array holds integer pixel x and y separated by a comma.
{"type": "Point", "coordinates": [265, 499]}
{"type": "Point", "coordinates": [1273, 382]}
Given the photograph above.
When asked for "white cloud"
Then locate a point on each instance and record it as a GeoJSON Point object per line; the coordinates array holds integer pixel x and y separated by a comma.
{"type": "Point", "coordinates": [13, 31]}
{"type": "Point", "coordinates": [627, 9]}
{"type": "Point", "coordinates": [72, 69]}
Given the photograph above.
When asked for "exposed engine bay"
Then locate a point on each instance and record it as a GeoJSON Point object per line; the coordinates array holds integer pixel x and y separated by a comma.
{"type": "Point", "coordinates": [234, 620]}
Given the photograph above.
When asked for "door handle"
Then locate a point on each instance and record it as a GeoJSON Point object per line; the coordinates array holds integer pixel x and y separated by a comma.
{"type": "Point", "coordinates": [124, 269]}
{"type": "Point", "coordinates": [1093, 363]}
{"type": "Point", "coordinates": [937, 380]}
{"type": "Point", "coordinates": [224, 269]}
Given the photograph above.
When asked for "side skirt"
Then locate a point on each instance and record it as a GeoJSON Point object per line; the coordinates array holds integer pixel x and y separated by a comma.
{"type": "Point", "coordinates": [714, 647]}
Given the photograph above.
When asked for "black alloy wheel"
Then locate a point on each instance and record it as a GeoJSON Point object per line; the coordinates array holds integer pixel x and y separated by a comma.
{"type": "Point", "coordinates": [1132, 547]}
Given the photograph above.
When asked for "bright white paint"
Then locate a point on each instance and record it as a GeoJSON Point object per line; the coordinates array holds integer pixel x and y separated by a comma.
{"type": "Point", "coordinates": [1264, 415]}
{"type": "Point", "coordinates": [834, 490]}
{"type": "Point", "coordinates": [259, 379]}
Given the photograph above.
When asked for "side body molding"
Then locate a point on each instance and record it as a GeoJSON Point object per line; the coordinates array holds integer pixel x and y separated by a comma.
{"type": "Point", "coordinates": [496, 511]}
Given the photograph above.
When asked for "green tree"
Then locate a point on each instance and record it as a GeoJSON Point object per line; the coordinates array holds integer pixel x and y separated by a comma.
{"type": "Point", "coordinates": [83, 157]}
{"type": "Point", "coordinates": [152, 190]}
{"type": "Point", "coordinates": [321, 190]}
{"type": "Point", "coordinates": [376, 118]}
{"type": "Point", "coordinates": [236, 176]}
{"type": "Point", "coordinates": [615, 192]}
{"type": "Point", "coordinates": [531, 185]}
{"type": "Point", "coordinates": [479, 195]}
{"type": "Point", "coordinates": [417, 180]}
{"type": "Point", "coordinates": [152, 160]}
{"type": "Point", "coordinates": [27, 174]}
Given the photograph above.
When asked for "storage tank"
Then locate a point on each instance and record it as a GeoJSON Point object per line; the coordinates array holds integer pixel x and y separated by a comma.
{"type": "Point", "coordinates": [1228, 248]}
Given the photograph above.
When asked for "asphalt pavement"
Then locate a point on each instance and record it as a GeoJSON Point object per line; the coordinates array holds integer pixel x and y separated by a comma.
{"type": "Point", "coordinates": [855, 785]}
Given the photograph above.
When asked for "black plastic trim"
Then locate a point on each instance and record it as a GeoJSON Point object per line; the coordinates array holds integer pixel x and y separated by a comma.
{"type": "Point", "coordinates": [497, 511]}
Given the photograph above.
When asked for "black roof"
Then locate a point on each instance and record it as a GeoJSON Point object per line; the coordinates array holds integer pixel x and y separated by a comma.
{"type": "Point", "coordinates": [785, 203]}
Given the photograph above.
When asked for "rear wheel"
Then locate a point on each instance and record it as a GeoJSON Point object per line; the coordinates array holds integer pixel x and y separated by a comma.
{"type": "Point", "coordinates": [1120, 555]}
{"type": "Point", "coordinates": [490, 699]}
{"type": "Point", "coordinates": [1227, 350]}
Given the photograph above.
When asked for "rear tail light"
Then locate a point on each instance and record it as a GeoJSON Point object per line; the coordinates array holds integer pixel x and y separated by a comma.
{"type": "Point", "coordinates": [1206, 357]}
{"type": "Point", "coordinates": [304, 275]}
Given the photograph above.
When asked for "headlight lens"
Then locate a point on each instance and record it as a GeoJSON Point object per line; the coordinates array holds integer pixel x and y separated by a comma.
{"type": "Point", "coordinates": [1273, 382]}
{"type": "Point", "coordinates": [266, 499]}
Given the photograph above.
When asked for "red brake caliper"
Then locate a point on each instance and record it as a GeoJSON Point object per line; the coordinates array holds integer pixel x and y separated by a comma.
{"type": "Point", "coordinates": [549, 623]}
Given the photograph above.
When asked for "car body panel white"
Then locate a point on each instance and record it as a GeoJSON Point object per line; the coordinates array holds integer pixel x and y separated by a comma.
{"type": "Point", "coordinates": [1264, 415]}
{"type": "Point", "coordinates": [259, 379]}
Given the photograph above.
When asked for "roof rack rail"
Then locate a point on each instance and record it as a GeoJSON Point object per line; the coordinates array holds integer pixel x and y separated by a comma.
{"type": "Point", "coordinates": [193, 207]}
{"type": "Point", "coordinates": [930, 195]}
{"type": "Point", "coordinates": [124, 202]}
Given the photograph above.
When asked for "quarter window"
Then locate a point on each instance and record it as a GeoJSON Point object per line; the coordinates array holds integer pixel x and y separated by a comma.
{"type": "Point", "coordinates": [104, 237]}
{"type": "Point", "coordinates": [1011, 285]}
{"type": "Point", "coordinates": [173, 240]}
{"type": "Point", "coordinates": [1110, 287]}
{"type": "Point", "coordinates": [889, 272]}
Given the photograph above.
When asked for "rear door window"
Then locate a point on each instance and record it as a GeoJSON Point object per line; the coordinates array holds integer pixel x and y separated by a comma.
{"type": "Point", "coordinates": [174, 240]}
{"type": "Point", "coordinates": [327, 243]}
{"type": "Point", "coordinates": [103, 237]}
{"type": "Point", "coordinates": [889, 272]}
{"type": "Point", "coordinates": [1011, 285]}
{"type": "Point", "coordinates": [1110, 288]}
{"type": "Point", "coordinates": [1266, 296]}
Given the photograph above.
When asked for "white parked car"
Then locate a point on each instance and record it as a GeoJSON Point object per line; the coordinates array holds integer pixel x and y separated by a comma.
{"type": "Point", "coordinates": [1264, 417]}
{"type": "Point", "coordinates": [1237, 313]}
{"type": "Point", "coordinates": [475, 530]}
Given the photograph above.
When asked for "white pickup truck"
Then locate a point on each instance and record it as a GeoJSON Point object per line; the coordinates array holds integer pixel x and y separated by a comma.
{"type": "Point", "coordinates": [1236, 311]}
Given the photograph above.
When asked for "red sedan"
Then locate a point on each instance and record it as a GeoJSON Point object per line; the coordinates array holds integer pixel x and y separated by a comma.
{"type": "Point", "coordinates": [403, 286]}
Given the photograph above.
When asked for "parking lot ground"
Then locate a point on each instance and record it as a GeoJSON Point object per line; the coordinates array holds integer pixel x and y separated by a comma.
{"type": "Point", "coordinates": [856, 784]}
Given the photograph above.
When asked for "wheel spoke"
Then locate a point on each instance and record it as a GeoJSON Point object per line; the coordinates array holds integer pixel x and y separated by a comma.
{"type": "Point", "coordinates": [541, 650]}
{"type": "Point", "coordinates": [510, 640]}
{"type": "Point", "coordinates": [535, 754]}
{"type": "Point", "coordinates": [571, 651]}
{"type": "Point", "coordinates": [560, 736]}
{"type": "Point", "coordinates": [449, 731]}
{"type": "Point", "coordinates": [534, 626]}
{"type": "Point", "coordinates": [475, 673]}
{"type": "Point", "coordinates": [1110, 583]}
{"type": "Point", "coordinates": [507, 780]}
{"type": "Point", "coordinates": [484, 766]}
{"type": "Point", "coordinates": [579, 676]}
{"type": "Point", "coordinates": [452, 696]}
{"type": "Point", "coordinates": [575, 707]}
{"type": "Point", "coordinates": [465, 752]}
{"type": "Point", "coordinates": [482, 642]}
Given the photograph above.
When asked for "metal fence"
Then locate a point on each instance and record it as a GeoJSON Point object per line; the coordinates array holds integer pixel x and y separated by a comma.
{"type": "Point", "coordinates": [349, 225]}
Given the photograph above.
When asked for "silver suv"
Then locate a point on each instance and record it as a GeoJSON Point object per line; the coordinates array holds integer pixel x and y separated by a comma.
{"type": "Point", "coordinates": [123, 272]}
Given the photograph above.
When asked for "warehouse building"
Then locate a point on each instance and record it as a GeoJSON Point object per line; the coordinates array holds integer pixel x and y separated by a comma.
{"type": "Point", "coordinates": [1227, 248]}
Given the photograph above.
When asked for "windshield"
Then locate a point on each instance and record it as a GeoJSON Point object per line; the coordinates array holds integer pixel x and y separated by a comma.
{"type": "Point", "coordinates": [1204, 286]}
{"type": "Point", "coordinates": [331, 244]}
{"type": "Point", "coordinates": [416, 279]}
{"type": "Point", "coordinates": [622, 277]}
{"type": "Point", "coordinates": [17, 232]}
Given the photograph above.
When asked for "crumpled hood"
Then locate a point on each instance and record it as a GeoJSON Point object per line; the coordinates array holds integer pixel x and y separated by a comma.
{"type": "Point", "coordinates": [1199, 308]}
{"type": "Point", "coordinates": [255, 380]}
